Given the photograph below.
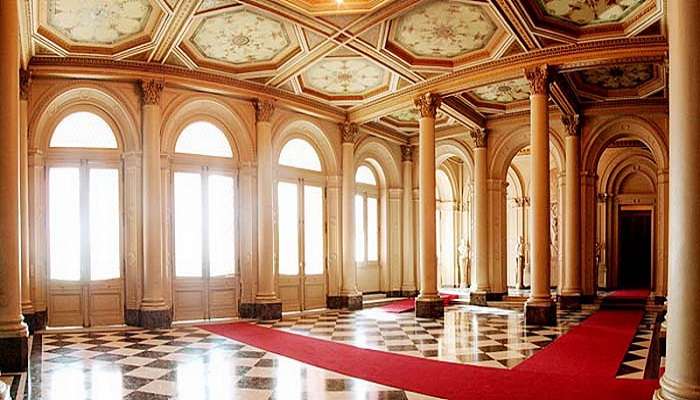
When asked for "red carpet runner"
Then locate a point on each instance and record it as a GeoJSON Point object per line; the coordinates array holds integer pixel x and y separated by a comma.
{"type": "Point", "coordinates": [629, 294]}
{"type": "Point", "coordinates": [434, 378]}
{"type": "Point", "coordinates": [410, 304]}
{"type": "Point", "coordinates": [593, 349]}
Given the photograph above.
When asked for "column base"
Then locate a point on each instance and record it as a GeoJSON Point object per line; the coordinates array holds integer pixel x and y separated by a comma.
{"type": "Point", "coordinates": [350, 302]}
{"type": "Point", "coordinates": [569, 301]}
{"type": "Point", "coordinates": [4, 391]}
{"type": "Point", "coordinates": [429, 308]}
{"type": "Point", "coordinates": [671, 390]}
{"type": "Point", "coordinates": [14, 354]}
{"type": "Point", "coordinates": [268, 311]}
{"type": "Point", "coordinates": [35, 321]}
{"type": "Point", "coordinates": [409, 293]}
{"type": "Point", "coordinates": [393, 293]}
{"type": "Point", "coordinates": [494, 296]}
{"type": "Point", "coordinates": [541, 313]}
{"type": "Point", "coordinates": [477, 298]}
{"type": "Point", "coordinates": [155, 319]}
{"type": "Point", "coordinates": [246, 310]}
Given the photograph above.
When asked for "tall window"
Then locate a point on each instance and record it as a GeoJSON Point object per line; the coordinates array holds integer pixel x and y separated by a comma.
{"type": "Point", "coordinates": [204, 206]}
{"type": "Point", "coordinates": [84, 202]}
{"type": "Point", "coordinates": [366, 216]}
{"type": "Point", "coordinates": [300, 211]}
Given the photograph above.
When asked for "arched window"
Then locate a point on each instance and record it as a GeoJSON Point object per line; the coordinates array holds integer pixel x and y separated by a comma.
{"type": "Point", "coordinates": [83, 129]}
{"type": "Point", "coordinates": [300, 244]}
{"type": "Point", "coordinates": [298, 153]}
{"type": "Point", "coordinates": [204, 222]}
{"type": "Point", "coordinates": [366, 216]}
{"type": "Point", "coordinates": [84, 219]}
{"type": "Point", "coordinates": [204, 139]}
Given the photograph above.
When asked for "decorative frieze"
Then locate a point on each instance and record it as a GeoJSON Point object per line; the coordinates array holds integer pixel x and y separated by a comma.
{"type": "Point", "coordinates": [539, 79]}
{"type": "Point", "coordinates": [264, 109]}
{"type": "Point", "coordinates": [428, 105]}
{"type": "Point", "coordinates": [349, 130]}
{"type": "Point", "coordinates": [479, 135]}
{"type": "Point", "coordinates": [406, 153]}
{"type": "Point", "coordinates": [572, 124]}
{"type": "Point", "coordinates": [151, 91]}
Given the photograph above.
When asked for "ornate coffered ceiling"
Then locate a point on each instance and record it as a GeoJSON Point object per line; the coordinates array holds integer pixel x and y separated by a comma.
{"type": "Point", "coordinates": [365, 59]}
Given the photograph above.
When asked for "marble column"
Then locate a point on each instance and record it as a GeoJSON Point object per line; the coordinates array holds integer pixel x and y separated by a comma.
{"type": "Point", "coordinates": [349, 297]}
{"type": "Point", "coordinates": [570, 297]}
{"type": "Point", "coordinates": [268, 305]}
{"type": "Point", "coordinates": [27, 305]}
{"type": "Point", "coordinates": [13, 330]}
{"type": "Point", "coordinates": [155, 312]}
{"type": "Point", "coordinates": [480, 284]}
{"type": "Point", "coordinates": [539, 308]}
{"type": "Point", "coordinates": [428, 303]}
{"type": "Point", "coordinates": [408, 281]}
{"type": "Point", "coordinates": [681, 381]}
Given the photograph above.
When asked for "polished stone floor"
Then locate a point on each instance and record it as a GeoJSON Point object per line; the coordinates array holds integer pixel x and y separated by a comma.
{"type": "Point", "coordinates": [189, 363]}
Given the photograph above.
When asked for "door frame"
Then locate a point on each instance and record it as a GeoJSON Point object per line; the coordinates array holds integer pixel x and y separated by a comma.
{"type": "Point", "coordinates": [631, 203]}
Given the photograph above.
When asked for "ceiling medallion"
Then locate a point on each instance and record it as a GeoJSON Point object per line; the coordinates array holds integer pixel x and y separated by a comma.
{"type": "Point", "coordinates": [344, 76]}
{"type": "Point", "coordinates": [444, 29]}
{"type": "Point", "coordinates": [240, 37]}
{"type": "Point", "coordinates": [504, 92]}
{"type": "Point", "coordinates": [625, 76]}
{"type": "Point", "coordinates": [98, 21]}
{"type": "Point", "coordinates": [589, 12]}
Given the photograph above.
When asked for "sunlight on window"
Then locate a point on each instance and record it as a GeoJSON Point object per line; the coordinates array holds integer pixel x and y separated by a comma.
{"type": "Point", "coordinates": [313, 230]}
{"type": "Point", "coordinates": [64, 223]}
{"type": "Point", "coordinates": [222, 253]}
{"type": "Point", "coordinates": [372, 230]}
{"type": "Point", "coordinates": [205, 139]}
{"type": "Point", "coordinates": [287, 228]}
{"type": "Point", "coordinates": [365, 175]}
{"type": "Point", "coordinates": [299, 153]}
{"type": "Point", "coordinates": [188, 224]}
{"type": "Point", "coordinates": [104, 223]}
{"type": "Point", "coordinates": [83, 129]}
{"type": "Point", "coordinates": [359, 228]}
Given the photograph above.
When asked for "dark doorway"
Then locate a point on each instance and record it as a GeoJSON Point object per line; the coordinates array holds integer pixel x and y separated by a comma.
{"type": "Point", "coordinates": [635, 250]}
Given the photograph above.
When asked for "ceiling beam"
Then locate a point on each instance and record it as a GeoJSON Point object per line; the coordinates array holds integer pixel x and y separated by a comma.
{"type": "Point", "coordinates": [635, 49]}
{"type": "Point", "coordinates": [464, 114]}
{"type": "Point", "coordinates": [513, 16]}
{"type": "Point", "coordinates": [176, 28]}
{"type": "Point", "coordinates": [563, 95]}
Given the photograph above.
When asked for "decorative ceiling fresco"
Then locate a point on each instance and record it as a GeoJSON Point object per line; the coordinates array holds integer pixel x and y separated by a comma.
{"type": "Point", "coordinates": [240, 37]}
{"type": "Point", "coordinates": [444, 29]}
{"type": "Point", "coordinates": [589, 12]}
{"type": "Point", "coordinates": [356, 57]}
{"type": "Point", "coordinates": [98, 21]}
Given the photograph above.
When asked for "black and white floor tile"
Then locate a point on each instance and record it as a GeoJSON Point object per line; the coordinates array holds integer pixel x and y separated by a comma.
{"type": "Point", "coordinates": [634, 364]}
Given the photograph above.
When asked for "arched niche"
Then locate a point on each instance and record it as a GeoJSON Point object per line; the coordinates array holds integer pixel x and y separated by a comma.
{"type": "Point", "coordinates": [109, 106]}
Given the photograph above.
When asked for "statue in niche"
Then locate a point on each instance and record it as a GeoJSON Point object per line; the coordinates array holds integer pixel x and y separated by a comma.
{"type": "Point", "coordinates": [520, 278]}
{"type": "Point", "coordinates": [464, 251]}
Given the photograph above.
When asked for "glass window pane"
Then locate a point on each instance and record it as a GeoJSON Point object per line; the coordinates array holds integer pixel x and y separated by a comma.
{"type": "Point", "coordinates": [300, 154]}
{"type": "Point", "coordinates": [359, 228]}
{"type": "Point", "coordinates": [83, 129]}
{"type": "Point", "coordinates": [104, 224]}
{"type": "Point", "coordinates": [64, 223]}
{"type": "Point", "coordinates": [365, 175]}
{"type": "Point", "coordinates": [372, 230]}
{"type": "Point", "coordinates": [203, 138]}
{"type": "Point", "coordinates": [222, 249]}
{"type": "Point", "coordinates": [313, 230]}
{"type": "Point", "coordinates": [287, 228]}
{"type": "Point", "coordinates": [188, 224]}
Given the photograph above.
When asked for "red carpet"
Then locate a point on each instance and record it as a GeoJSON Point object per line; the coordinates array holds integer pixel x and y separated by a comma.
{"type": "Point", "coordinates": [434, 378]}
{"type": "Point", "coordinates": [593, 349]}
{"type": "Point", "coordinates": [629, 294]}
{"type": "Point", "coordinates": [410, 304]}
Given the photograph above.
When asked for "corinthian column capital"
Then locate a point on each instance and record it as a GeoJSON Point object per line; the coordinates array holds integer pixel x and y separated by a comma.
{"type": "Point", "coordinates": [428, 105]}
{"type": "Point", "coordinates": [538, 77]}
{"type": "Point", "coordinates": [264, 109]}
{"type": "Point", "coordinates": [349, 130]}
{"type": "Point", "coordinates": [572, 123]}
{"type": "Point", "coordinates": [479, 135]}
{"type": "Point", "coordinates": [151, 91]}
{"type": "Point", "coordinates": [25, 82]}
{"type": "Point", "coordinates": [406, 153]}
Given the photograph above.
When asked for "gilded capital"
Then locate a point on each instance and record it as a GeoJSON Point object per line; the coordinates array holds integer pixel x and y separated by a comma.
{"type": "Point", "coordinates": [263, 109]}
{"type": "Point", "coordinates": [25, 82]}
{"type": "Point", "coordinates": [349, 130]}
{"type": "Point", "coordinates": [428, 105]}
{"type": "Point", "coordinates": [406, 153]}
{"type": "Point", "coordinates": [151, 91]}
{"type": "Point", "coordinates": [572, 123]}
{"type": "Point", "coordinates": [479, 136]}
{"type": "Point", "coordinates": [539, 79]}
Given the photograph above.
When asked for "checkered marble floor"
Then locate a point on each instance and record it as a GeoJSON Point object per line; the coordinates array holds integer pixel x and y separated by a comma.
{"type": "Point", "coordinates": [183, 363]}
{"type": "Point", "coordinates": [634, 364]}
{"type": "Point", "coordinates": [483, 336]}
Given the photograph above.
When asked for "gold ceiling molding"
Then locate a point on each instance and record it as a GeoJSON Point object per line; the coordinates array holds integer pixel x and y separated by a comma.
{"type": "Point", "coordinates": [103, 69]}
{"type": "Point", "coordinates": [569, 57]}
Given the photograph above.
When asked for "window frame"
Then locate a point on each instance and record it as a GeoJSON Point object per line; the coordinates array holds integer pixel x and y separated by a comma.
{"type": "Point", "coordinates": [369, 191]}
